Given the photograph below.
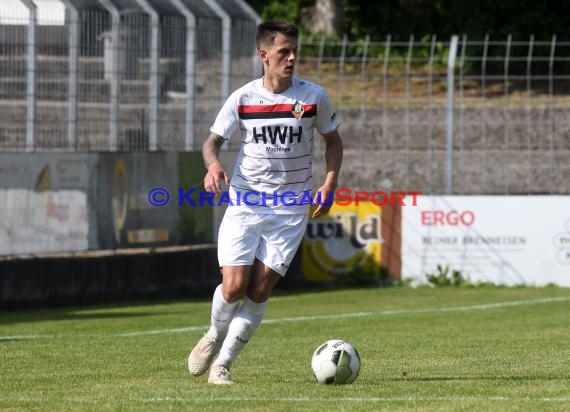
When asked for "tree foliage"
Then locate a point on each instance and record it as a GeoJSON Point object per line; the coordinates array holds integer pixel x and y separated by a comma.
{"type": "Point", "coordinates": [401, 18]}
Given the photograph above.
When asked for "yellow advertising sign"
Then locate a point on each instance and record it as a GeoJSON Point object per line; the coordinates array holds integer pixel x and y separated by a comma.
{"type": "Point", "coordinates": [335, 243]}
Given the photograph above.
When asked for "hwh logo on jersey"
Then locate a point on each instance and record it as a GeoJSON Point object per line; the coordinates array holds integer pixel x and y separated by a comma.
{"type": "Point", "coordinates": [277, 132]}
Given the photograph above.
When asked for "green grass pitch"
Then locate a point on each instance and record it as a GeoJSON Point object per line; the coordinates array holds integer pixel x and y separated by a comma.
{"type": "Point", "coordinates": [433, 349]}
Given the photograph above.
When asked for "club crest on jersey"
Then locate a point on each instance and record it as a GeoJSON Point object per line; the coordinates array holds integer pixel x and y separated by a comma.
{"type": "Point", "coordinates": [298, 110]}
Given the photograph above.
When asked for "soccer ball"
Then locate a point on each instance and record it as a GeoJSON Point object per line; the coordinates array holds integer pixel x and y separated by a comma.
{"type": "Point", "coordinates": [335, 362]}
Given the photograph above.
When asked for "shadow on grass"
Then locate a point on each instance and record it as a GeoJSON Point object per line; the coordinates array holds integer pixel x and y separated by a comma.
{"type": "Point", "coordinates": [109, 310]}
{"type": "Point", "coordinates": [112, 310]}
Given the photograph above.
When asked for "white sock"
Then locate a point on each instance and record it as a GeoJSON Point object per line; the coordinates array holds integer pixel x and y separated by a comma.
{"type": "Point", "coordinates": [222, 315]}
{"type": "Point", "coordinates": [245, 322]}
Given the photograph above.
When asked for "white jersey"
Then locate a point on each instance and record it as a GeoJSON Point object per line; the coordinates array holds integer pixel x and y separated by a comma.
{"type": "Point", "coordinates": [273, 169]}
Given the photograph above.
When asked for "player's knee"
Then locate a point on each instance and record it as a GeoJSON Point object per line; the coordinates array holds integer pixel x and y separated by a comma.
{"type": "Point", "coordinates": [233, 293]}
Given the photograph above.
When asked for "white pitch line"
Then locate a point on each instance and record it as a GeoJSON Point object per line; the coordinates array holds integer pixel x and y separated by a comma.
{"type": "Point", "coordinates": [373, 399]}
{"type": "Point", "coordinates": [26, 337]}
{"type": "Point", "coordinates": [314, 317]}
{"type": "Point", "coordinates": [360, 400]}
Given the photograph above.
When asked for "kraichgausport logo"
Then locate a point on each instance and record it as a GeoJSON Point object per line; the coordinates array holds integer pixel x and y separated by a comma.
{"type": "Point", "coordinates": [159, 196]}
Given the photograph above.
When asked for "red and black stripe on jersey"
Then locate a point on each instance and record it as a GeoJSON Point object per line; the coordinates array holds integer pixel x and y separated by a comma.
{"type": "Point", "coordinates": [273, 111]}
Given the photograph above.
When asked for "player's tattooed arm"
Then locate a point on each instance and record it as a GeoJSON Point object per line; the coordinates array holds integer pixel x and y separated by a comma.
{"type": "Point", "coordinates": [216, 172]}
{"type": "Point", "coordinates": [211, 149]}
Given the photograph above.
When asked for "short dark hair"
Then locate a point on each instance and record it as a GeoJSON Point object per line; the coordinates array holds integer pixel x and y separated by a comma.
{"type": "Point", "coordinates": [267, 31]}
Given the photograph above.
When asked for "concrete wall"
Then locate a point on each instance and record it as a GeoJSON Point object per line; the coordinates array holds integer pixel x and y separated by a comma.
{"type": "Point", "coordinates": [129, 250]}
{"type": "Point", "coordinates": [48, 198]}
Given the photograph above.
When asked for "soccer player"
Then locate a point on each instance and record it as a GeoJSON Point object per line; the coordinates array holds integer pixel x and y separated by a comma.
{"type": "Point", "coordinates": [268, 210]}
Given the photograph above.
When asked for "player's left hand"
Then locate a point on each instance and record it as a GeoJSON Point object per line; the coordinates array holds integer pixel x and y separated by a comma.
{"type": "Point", "coordinates": [323, 200]}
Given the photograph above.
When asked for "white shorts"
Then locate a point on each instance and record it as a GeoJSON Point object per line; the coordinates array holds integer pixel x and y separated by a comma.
{"type": "Point", "coordinates": [272, 239]}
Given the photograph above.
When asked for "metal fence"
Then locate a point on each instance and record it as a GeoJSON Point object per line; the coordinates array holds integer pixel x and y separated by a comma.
{"type": "Point", "coordinates": [455, 116]}
{"type": "Point", "coordinates": [485, 116]}
{"type": "Point", "coordinates": [107, 75]}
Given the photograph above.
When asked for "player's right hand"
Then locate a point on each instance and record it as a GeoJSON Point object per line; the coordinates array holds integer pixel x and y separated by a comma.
{"type": "Point", "coordinates": [213, 179]}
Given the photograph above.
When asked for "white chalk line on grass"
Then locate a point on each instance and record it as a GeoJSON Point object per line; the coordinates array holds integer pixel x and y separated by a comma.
{"type": "Point", "coordinates": [308, 318]}
{"type": "Point", "coordinates": [358, 399]}
{"type": "Point", "coordinates": [372, 399]}
{"type": "Point", "coordinates": [364, 314]}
